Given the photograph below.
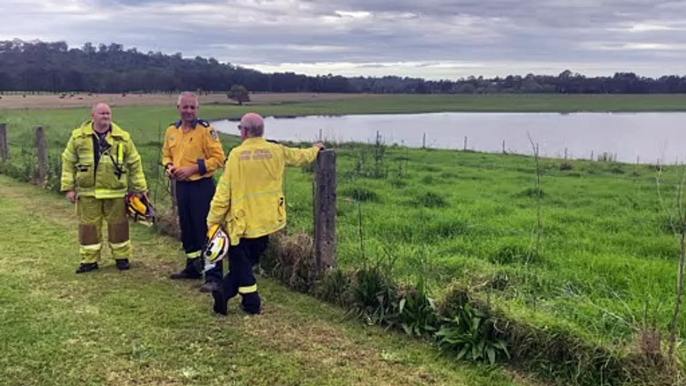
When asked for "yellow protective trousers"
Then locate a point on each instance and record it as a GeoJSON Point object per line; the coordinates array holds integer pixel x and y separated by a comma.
{"type": "Point", "coordinates": [91, 212]}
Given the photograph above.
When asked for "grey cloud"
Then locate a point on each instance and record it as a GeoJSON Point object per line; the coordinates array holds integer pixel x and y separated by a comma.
{"type": "Point", "coordinates": [582, 34]}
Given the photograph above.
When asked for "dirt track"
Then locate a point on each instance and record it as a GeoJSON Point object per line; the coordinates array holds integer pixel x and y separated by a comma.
{"type": "Point", "coordinates": [47, 101]}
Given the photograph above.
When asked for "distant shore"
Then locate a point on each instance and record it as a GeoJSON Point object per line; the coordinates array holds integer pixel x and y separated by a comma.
{"type": "Point", "coordinates": [290, 105]}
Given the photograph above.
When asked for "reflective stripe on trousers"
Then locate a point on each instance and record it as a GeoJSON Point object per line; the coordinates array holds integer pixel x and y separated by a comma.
{"type": "Point", "coordinates": [91, 213]}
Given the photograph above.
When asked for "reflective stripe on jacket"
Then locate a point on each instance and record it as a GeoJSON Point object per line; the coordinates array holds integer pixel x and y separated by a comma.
{"type": "Point", "coordinates": [115, 167]}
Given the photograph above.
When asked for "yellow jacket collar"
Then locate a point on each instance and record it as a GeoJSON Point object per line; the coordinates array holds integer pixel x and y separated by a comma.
{"type": "Point", "coordinates": [87, 129]}
{"type": "Point", "coordinates": [254, 140]}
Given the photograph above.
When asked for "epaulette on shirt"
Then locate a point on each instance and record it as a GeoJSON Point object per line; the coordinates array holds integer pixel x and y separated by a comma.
{"type": "Point", "coordinates": [202, 122]}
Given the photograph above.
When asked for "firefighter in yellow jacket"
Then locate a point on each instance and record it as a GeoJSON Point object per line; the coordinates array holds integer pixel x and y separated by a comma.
{"type": "Point", "coordinates": [99, 161]}
{"type": "Point", "coordinates": [192, 154]}
{"type": "Point", "coordinates": [250, 205]}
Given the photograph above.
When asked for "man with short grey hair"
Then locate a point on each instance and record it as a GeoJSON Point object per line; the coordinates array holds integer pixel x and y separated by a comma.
{"type": "Point", "coordinates": [192, 154]}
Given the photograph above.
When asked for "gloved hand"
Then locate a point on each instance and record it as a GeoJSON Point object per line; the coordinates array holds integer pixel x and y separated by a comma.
{"type": "Point", "coordinates": [211, 230]}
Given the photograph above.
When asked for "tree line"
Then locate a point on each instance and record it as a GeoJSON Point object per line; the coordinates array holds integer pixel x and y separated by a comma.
{"type": "Point", "coordinates": [55, 67]}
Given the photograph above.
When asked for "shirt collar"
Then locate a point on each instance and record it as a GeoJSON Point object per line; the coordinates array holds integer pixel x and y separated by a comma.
{"type": "Point", "coordinates": [194, 124]}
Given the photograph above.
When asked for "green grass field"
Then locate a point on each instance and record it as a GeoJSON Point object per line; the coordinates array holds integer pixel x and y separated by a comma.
{"type": "Point", "coordinates": [400, 104]}
{"type": "Point", "coordinates": [607, 263]}
{"type": "Point", "coordinates": [139, 328]}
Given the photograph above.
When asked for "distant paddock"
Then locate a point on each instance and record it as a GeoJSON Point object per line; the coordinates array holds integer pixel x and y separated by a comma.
{"type": "Point", "coordinates": [66, 100]}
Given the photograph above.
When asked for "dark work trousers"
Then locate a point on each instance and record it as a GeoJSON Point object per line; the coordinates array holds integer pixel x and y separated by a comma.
{"type": "Point", "coordinates": [193, 203]}
{"type": "Point", "coordinates": [241, 278]}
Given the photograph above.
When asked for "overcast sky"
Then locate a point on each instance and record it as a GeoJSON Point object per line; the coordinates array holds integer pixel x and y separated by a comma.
{"type": "Point", "coordinates": [431, 38]}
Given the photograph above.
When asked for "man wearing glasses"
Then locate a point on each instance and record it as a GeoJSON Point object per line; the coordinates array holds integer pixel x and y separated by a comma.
{"type": "Point", "coordinates": [192, 154]}
{"type": "Point", "coordinates": [250, 205]}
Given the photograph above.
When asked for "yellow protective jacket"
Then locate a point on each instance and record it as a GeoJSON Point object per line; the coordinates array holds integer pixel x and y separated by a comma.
{"type": "Point", "coordinates": [249, 197]}
{"type": "Point", "coordinates": [200, 146]}
{"type": "Point", "coordinates": [79, 171]}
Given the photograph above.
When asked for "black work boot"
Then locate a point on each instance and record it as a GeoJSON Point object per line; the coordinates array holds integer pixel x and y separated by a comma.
{"type": "Point", "coordinates": [190, 272]}
{"type": "Point", "coordinates": [209, 286]}
{"type": "Point", "coordinates": [123, 264]}
{"type": "Point", "coordinates": [252, 304]}
{"type": "Point", "coordinates": [221, 303]}
{"type": "Point", "coordinates": [87, 267]}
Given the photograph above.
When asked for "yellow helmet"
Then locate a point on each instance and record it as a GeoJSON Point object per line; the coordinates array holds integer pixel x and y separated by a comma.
{"type": "Point", "coordinates": [140, 209]}
{"type": "Point", "coordinates": [217, 246]}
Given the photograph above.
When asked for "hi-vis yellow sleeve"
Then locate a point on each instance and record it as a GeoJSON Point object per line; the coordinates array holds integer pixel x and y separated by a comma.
{"type": "Point", "coordinates": [69, 160]}
{"type": "Point", "coordinates": [166, 151]}
{"type": "Point", "coordinates": [221, 202]}
{"type": "Point", "coordinates": [214, 152]}
{"type": "Point", "coordinates": [299, 157]}
{"type": "Point", "coordinates": [135, 166]}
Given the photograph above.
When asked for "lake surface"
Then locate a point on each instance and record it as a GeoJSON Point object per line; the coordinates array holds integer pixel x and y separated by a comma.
{"type": "Point", "coordinates": [630, 137]}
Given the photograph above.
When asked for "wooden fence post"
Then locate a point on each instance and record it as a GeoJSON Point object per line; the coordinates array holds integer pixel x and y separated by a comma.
{"type": "Point", "coordinates": [325, 241]}
{"type": "Point", "coordinates": [42, 146]}
{"type": "Point", "coordinates": [4, 148]}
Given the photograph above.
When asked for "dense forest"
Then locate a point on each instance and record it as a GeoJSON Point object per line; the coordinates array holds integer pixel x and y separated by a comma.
{"type": "Point", "coordinates": [55, 67]}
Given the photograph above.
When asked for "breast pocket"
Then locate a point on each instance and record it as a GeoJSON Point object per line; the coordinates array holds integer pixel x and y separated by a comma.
{"type": "Point", "coordinates": [85, 175]}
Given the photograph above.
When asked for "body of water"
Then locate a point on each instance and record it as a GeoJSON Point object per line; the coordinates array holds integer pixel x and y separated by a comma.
{"type": "Point", "coordinates": [630, 137]}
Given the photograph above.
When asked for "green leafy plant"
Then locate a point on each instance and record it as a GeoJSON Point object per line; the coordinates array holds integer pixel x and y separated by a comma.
{"type": "Point", "coordinates": [470, 334]}
{"type": "Point", "coordinates": [418, 312]}
{"type": "Point", "coordinates": [375, 296]}
{"type": "Point", "coordinates": [418, 316]}
{"type": "Point", "coordinates": [334, 287]}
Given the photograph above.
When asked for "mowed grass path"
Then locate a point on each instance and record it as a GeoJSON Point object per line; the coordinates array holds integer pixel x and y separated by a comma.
{"type": "Point", "coordinates": [139, 328]}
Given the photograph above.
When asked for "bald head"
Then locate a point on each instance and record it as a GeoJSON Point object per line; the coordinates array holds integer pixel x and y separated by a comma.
{"type": "Point", "coordinates": [252, 124]}
{"type": "Point", "coordinates": [102, 117]}
{"type": "Point", "coordinates": [100, 106]}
